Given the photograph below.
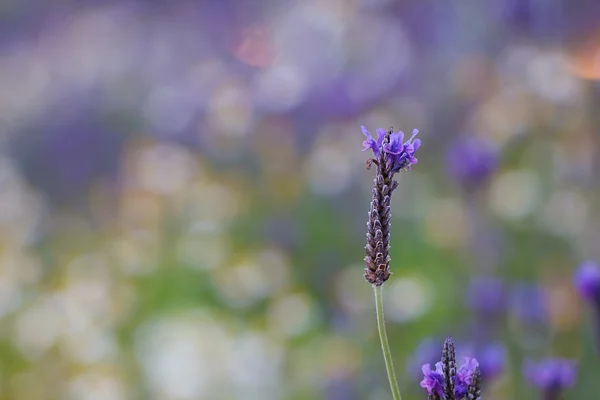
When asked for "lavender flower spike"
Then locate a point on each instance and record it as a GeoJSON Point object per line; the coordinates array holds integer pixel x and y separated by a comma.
{"type": "Point", "coordinates": [391, 155]}
{"type": "Point", "coordinates": [447, 382]}
{"type": "Point", "coordinates": [551, 376]}
{"type": "Point", "coordinates": [449, 366]}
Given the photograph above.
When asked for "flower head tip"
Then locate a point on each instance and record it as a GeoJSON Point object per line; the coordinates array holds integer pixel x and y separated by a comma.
{"type": "Point", "coordinates": [401, 155]}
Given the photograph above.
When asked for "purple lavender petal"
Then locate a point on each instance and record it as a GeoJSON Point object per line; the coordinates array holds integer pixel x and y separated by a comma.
{"type": "Point", "coordinates": [463, 377]}
{"type": "Point", "coordinates": [371, 143]}
{"type": "Point", "coordinates": [401, 155]}
{"type": "Point", "coordinates": [395, 146]}
{"type": "Point", "coordinates": [433, 380]}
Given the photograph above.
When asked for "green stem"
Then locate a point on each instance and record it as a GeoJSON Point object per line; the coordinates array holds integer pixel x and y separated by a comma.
{"type": "Point", "coordinates": [385, 347]}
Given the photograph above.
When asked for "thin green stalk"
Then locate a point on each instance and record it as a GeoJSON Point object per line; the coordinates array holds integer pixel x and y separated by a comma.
{"type": "Point", "coordinates": [385, 346]}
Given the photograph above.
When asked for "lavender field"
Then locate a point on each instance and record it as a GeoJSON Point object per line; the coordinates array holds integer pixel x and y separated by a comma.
{"type": "Point", "coordinates": [184, 198]}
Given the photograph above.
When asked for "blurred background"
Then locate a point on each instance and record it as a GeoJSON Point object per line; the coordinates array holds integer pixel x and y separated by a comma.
{"type": "Point", "coordinates": [183, 196]}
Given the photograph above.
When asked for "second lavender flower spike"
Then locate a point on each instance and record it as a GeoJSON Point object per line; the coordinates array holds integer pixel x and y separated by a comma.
{"type": "Point", "coordinates": [391, 155]}
{"type": "Point", "coordinates": [447, 382]}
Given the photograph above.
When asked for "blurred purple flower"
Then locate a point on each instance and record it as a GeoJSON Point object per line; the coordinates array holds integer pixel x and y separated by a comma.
{"type": "Point", "coordinates": [399, 154]}
{"type": "Point", "coordinates": [551, 374]}
{"type": "Point", "coordinates": [528, 303]}
{"type": "Point", "coordinates": [340, 387]}
{"type": "Point", "coordinates": [492, 360]}
{"type": "Point", "coordinates": [587, 280]}
{"type": "Point", "coordinates": [463, 377]}
{"type": "Point", "coordinates": [68, 148]}
{"type": "Point", "coordinates": [471, 161]}
{"type": "Point", "coordinates": [433, 380]}
{"type": "Point", "coordinates": [486, 294]}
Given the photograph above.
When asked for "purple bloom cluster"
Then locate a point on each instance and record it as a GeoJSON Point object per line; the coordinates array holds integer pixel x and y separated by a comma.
{"type": "Point", "coordinates": [587, 281]}
{"type": "Point", "coordinates": [551, 374]}
{"type": "Point", "coordinates": [492, 357]}
{"type": "Point", "coordinates": [446, 382]}
{"type": "Point", "coordinates": [399, 154]}
{"type": "Point", "coordinates": [433, 380]}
